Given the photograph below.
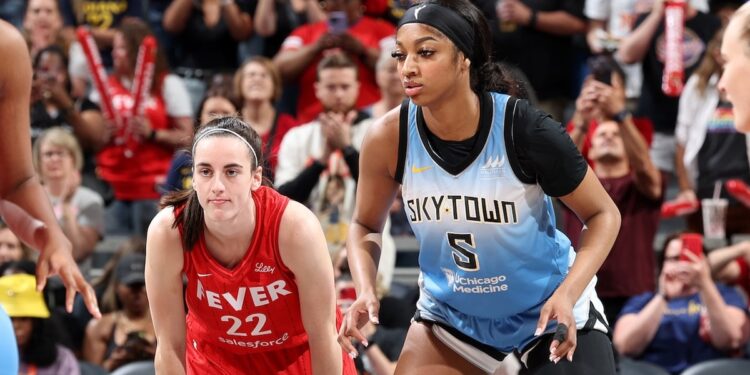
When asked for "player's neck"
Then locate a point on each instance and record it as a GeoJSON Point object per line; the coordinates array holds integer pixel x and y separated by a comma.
{"type": "Point", "coordinates": [454, 118]}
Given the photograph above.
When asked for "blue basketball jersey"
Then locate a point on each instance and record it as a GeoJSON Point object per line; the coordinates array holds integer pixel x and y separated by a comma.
{"type": "Point", "coordinates": [488, 245]}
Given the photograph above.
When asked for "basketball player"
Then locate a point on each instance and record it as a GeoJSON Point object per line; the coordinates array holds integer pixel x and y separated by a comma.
{"type": "Point", "coordinates": [477, 169]}
{"type": "Point", "coordinates": [260, 292]}
{"type": "Point", "coordinates": [735, 50]}
{"type": "Point", "coordinates": [20, 185]}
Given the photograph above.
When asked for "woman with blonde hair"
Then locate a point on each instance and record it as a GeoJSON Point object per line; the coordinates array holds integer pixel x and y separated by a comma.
{"type": "Point", "coordinates": [257, 84]}
{"type": "Point", "coordinates": [58, 160]}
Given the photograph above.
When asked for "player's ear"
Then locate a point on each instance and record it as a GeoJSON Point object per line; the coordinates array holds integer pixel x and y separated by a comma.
{"type": "Point", "coordinates": [257, 180]}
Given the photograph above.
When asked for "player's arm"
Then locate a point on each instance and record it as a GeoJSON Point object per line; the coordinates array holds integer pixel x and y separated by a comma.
{"type": "Point", "coordinates": [304, 250]}
{"type": "Point", "coordinates": [18, 181]}
{"type": "Point", "coordinates": [601, 224]}
{"type": "Point", "coordinates": [164, 261]}
{"type": "Point", "coordinates": [376, 190]}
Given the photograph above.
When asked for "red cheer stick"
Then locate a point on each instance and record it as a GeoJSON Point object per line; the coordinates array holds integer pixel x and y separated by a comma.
{"type": "Point", "coordinates": [144, 74]}
{"type": "Point", "coordinates": [99, 75]}
{"type": "Point", "coordinates": [674, 70]}
{"type": "Point", "coordinates": [672, 208]}
{"type": "Point", "coordinates": [30, 230]}
{"type": "Point", "coordinates": [739, 190]}
{"type": "Point", "coordinates": [144, 77]}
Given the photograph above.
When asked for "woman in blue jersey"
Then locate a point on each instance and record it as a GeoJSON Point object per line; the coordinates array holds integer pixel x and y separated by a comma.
{"type": "Point", "coordinates": [477, 168]}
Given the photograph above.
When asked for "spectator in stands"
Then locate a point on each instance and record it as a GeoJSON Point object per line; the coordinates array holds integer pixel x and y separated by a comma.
{"type": "Point", "coordinates": [325, 152]}
{"type": "Point", "coordinates": [102, 17]}
{"type": "Point", "coordinates": [708, 147]}
{"type": "Point", "coordinates": [208, 33]}
{"type": "Point", "coordinates": [104, 287]}
{"type": "Point", "coordinates": [134, 158]}
{"type": "Point", "coordinates": [275, 20]}
{"type": "Point", "coordinates": [389, 83]}
{"type": "Point", "coordinates": [53, 104]}
{"type": "Point", "coordinates": [536, 36]}
{"type": "Point", "coordinates": [619, 157]}
{"type": "Point", "coordinates": [11, 247]}
{"type": "Point", "coordinates": [687, 320]}
{"type": "Point", "coordinates": [646, 45]}
{"type": "Point", "coordinates": [38, 348]}
{"type": "Point", "coordinates": [360, 37]}
{"type": "Point", "coordinates": [58, 160]}
{"type": "Point", "coordinates": [126, 334]}
{"type": "Point", "coordinates": [331, 142]}
{"type": "Point", "coordinates": [612, 21]}
{"type": "Point", "coordinates": [42, 25]}
{"type": "Point", "coordinates": [731, 265]}
{"type": "Point", "coordinates": [217, 103]}
{"type": "Point", "coordinates": [258, 86]}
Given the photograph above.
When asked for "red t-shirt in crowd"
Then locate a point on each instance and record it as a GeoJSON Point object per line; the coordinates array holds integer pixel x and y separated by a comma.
{"type": "Point", "coordinates": [369, 31]}
{"type": "Point", "coordinates": [134, 167]}
{"type": "Point", "coordinates": [629, 269]}
{"type": "Point", "coordinates": [247, 319]}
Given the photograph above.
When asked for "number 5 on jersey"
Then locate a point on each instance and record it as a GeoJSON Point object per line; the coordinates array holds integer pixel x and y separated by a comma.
{"type": "Point", "coordinates": [464, 252]}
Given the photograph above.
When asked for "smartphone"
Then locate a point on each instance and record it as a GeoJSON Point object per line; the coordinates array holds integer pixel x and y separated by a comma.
{"type": "Point", "coordinates": [601, 68]}
{"type": "Point", "coordinates": [337, 22]}
{"type": "Point", "coordinates": [692, 242]}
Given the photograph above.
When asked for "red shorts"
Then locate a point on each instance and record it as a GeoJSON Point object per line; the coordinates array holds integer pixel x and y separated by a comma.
{"type": "Point", "coordinates": [207, 359]}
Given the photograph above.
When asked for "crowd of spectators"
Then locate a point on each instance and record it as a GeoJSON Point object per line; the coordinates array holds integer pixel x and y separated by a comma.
{"type": "Point", "coordinates": [310, 77]}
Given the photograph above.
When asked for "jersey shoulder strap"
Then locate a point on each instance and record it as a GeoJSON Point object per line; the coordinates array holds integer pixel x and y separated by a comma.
{"type": "Point", "coordinates": [513, 130]}
{"type": "Point", "coordinates": [403, 134]}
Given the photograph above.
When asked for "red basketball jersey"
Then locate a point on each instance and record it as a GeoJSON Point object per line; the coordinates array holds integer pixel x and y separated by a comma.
{"type": "Point", "coordinates": [247, 319]}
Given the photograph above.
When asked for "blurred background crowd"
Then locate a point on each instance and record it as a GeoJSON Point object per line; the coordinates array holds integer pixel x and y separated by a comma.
{"type": "Point", "coordinates": [310, 77]}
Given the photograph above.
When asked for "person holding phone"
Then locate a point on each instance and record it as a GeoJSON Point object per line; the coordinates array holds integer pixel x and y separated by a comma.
{"type": "Point", "coordinates": [688, 319]}
{"type": "Point", "coordinates": [617, 151]}
{"type": "Point", "coordinates": [346, 29]}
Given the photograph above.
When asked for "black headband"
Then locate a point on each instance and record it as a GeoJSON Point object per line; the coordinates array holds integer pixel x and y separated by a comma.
{"type": "Point", "coordinates": [447, 21]}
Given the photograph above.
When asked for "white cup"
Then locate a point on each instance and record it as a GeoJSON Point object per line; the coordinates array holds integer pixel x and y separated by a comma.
{"type": "Point", "coordinates": [714, 217]}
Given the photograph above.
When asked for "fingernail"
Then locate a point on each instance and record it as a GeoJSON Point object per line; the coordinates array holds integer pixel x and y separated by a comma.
{"type": "Point", "coordinates": [365, 343]}
{"type": "Point", "coordinates": [552, 358]}
{"type": "Point", "coordinates": [570, 357]}
{"type": "Point", "coordinates": [557, 360]}
{"type": "Point", "coordinates": [375, 320]}
{"type": "Point", "coordinates": [352, 355]}
{"type": "Point", "coordinates": [538, 332]}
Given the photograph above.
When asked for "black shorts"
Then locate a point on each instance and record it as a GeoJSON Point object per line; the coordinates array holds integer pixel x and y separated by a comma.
{"type": "Point", "coordinates": [593, 356]}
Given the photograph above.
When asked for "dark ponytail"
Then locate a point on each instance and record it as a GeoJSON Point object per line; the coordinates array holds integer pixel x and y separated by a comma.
{"type": "Point", "coordinates": [190, 218]}
{"type": "Point", "coordinates": [485, 74]}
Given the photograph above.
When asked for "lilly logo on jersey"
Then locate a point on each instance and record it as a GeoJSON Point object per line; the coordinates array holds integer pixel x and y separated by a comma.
{"type": "Point", "coordinates": [262, 268]}
{"type": "Point", "coordinates": [492, 167]}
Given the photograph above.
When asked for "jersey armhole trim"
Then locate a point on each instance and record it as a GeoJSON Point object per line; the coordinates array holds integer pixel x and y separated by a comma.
{"type": "Point", "coordinates": [403, 133]}
{"type": "Point", "coordinates": [510, 142]}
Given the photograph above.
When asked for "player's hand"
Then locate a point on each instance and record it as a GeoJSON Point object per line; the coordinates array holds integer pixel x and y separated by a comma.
{"type": "Point", "coordinates": [559, 307]}
{"type": "Point", "coordinates": [365, 309]}
{"type": "Point", "coordinates": [57, 259]}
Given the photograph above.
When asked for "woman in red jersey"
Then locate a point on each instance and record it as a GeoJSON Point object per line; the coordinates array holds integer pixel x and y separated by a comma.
{"type": "Point", "coordinates": [260, 295]}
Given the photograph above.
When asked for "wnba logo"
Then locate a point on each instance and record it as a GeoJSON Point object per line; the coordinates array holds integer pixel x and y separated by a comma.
{"type": "Point", "coordinates": [492, 167]}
